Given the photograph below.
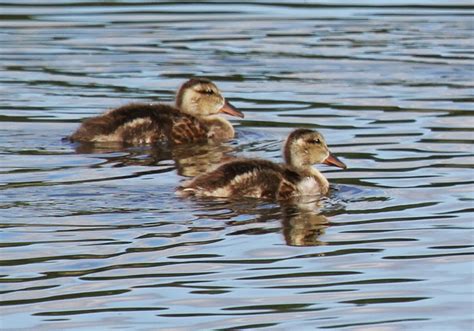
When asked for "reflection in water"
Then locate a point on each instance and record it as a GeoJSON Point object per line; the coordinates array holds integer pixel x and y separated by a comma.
{"type": "Point", "coordinates": [301, 222]}
{"type": "Point", "coordinates": [99, 148]}
{"type": "Point", "coordinates": [199, 159]}
{"type": "Point", "coordinates": [303, 226]}
{"type": "Point", "coordinates": [190, 160]}
{"type": "Point", "coordinates": [389, 83]}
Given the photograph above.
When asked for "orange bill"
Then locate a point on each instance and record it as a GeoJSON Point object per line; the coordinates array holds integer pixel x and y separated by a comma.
{"type": "Point", "coordinates": [334, 161]}
{"type": "Point", "coordinates": [231, 110]}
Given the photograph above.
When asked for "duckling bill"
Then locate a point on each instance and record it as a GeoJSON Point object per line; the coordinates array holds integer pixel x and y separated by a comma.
{"type": "Point", "coordinates": [265, 179]}
{"type": "Point", "coordinates": [195, 117]}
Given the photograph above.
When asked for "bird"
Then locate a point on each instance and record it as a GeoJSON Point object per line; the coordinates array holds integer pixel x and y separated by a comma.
{"type": "Point", "coordinates": [194, 118]}
{"type": "Point", "coordinates": [259, 178]}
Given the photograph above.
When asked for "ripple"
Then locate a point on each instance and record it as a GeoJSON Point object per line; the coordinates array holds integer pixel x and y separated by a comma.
{"type": "Point", "coordinates": [94, 234]}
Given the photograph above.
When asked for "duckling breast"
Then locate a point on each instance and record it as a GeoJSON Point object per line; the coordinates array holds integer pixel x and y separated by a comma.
{"type": "Point", "coordinates": [308, 186]}
{"type": "Point", "coordinates": [219, 129]}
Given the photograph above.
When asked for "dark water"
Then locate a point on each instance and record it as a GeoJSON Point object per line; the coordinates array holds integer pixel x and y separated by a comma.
{"type": "Point", "coordinates": [95, 239]}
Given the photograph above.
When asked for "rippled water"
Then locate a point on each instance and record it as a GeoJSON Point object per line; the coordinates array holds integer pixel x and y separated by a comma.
{"type": "Point", "coordinates": [93, 238]}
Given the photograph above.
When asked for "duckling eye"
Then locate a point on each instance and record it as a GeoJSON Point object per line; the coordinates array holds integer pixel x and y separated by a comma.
{"type": "Point", "coordinates": [314, 141]}
{"type": "Point", "coordinates": [209, 92]}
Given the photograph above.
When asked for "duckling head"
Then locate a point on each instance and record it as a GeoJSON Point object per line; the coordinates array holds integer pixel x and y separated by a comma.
{"type": "Point", "coordinates": [305, 147]}
{"type": "Point", "coordinates": [201, 98]}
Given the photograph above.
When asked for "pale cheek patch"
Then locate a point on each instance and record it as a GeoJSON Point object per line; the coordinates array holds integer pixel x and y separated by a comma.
{"type": "Point", "coordinates": [301, 142]}
{"type": "Point", "coordinates": [189, 102]}
{"type": "Point", "coordinates": [323, 158]}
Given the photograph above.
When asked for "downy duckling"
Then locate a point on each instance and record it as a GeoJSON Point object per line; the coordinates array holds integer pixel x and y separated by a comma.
{"type": "Point", "coordinates": [194, 118]}
{"type": "Point", "coordinates": [264, 179]}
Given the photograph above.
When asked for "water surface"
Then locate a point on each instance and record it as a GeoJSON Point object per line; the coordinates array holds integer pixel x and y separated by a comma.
{"type": "Point", "coordinates": [94, 237]}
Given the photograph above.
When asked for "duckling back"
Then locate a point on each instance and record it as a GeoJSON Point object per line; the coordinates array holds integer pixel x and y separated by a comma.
{"type": "Point", "coordinates": [244, 178]}
{"type": "Point", "coordinates": [142, 124]}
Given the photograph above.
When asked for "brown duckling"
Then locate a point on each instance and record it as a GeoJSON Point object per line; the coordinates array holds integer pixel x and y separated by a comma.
{"type": "Point", "coordinates": [264, 179]}
{"type": "Point", "coordinates": [194, 118]}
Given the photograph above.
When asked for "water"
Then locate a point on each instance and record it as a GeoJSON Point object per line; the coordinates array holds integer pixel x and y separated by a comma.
{"type": "Point", "coordinates": [94, 238]}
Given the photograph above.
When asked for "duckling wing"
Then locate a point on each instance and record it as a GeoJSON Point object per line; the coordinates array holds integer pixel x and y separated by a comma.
{"type": "Point", "coordinates": [139, 123]}
{"type": "Point", "coordinates": [186, 129]}
{"type": "Point", "coordinates": [241, 178]}
{"type": "Point", "coordinates": [286, 190]}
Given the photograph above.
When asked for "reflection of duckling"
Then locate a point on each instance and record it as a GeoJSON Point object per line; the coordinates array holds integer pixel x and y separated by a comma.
{"type": "Point", "coordinates": [189, 162]}
{"type": "Point", "coordinates": [194, 118]}
{"type": "Point", "coordinates": [302, 227]}
{"type": "Point", "coordinates": [265, 179]}
{"type": "Point", "coordinates": [202, 158]}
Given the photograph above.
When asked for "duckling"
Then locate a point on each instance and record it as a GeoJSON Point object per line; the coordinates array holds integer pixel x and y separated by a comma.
{"type": "Point", "coordinates": [194, 118]}
{"type": "Point", "coordinates": [264, 179]}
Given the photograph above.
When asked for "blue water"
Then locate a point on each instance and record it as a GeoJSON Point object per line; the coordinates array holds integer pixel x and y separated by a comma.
{"type": "Point", "coordinates": [94, 237]}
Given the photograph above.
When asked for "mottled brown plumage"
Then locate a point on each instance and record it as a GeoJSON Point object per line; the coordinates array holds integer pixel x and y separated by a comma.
{"type": "Point", "coordinates": [265, 179]}
{"type": "Point", "coordinates": [194, 119]}
{"type": "Point", "coordinates": [245, 177]}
